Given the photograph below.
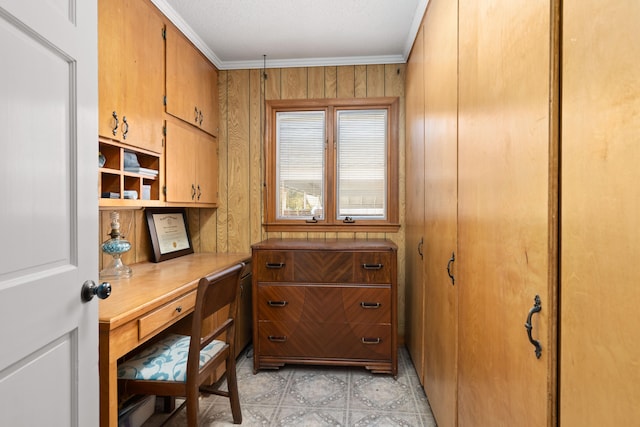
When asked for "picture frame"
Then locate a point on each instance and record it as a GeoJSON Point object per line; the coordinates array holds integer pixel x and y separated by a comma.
{"type": "Point", "coordinates": [169, 233]}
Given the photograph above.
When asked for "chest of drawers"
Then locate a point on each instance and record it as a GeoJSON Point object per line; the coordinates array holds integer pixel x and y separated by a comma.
{"type": "Point", "coordinates": [325, 302]}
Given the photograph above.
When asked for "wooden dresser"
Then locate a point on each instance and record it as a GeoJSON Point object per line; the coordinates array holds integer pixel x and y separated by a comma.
{"type": "Point", "coordinates": [325, 302]}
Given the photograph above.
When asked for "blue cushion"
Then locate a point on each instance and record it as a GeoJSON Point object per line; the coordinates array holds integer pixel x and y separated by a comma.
{"type": "Point", "coordinates": [165, 360]}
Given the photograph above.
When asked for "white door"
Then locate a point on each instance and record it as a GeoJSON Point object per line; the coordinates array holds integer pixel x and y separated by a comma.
{"type": "Point", "coordinates": [48, 213]}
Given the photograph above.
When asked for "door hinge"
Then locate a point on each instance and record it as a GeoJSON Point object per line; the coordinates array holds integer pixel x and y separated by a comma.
{"type": "Point", "coordinates": [164, 190]}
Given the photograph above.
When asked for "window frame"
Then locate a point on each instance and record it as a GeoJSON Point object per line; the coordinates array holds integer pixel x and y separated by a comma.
{"type": "Point", "coordinates": [330, 222]}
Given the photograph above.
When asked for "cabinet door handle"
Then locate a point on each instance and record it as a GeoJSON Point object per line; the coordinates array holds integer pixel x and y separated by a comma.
{"type": "Point", "coordinates": [420, 243]}
{"type": "Point", "coordinates": [277, 303]}
{"type": "Point", "coordinates": [364, 304]}
{"type": "Point", "coordinates": [115, 128]}
{"type": "Point", "coordinates": [451, 260]}
{"type": "Point", "coordinates": [537, 306]}
{"type": "Point", "coordinates": [193, 191]}
{"type": "Point", "coordinates": [372, 266]}
{"type": "Point", "coordinates": [201, 117]}
{"type": "Point", "coordinates": [195, 110]}
{"type": "Point", "coordinates": [367, 340]}
{"type": "Point", "coordinates": [275, 264]}
{"type": "Point", "coordinates": [277, 338]}
{"type": "Point", "coordinates": [199, 192]}
{"type": "Point", "coordinates": [125, 127]}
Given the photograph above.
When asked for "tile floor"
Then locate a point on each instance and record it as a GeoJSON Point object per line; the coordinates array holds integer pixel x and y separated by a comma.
{"type": "Point", "coordinates": [318, 396]}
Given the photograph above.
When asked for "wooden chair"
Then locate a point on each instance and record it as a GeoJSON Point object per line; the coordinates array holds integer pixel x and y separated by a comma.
{"type": "Point", "coordinates": [180, 365]}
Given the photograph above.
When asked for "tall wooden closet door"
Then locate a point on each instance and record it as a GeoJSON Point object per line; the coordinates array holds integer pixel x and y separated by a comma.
{"type": "Point", "coordinates": [505, 213]}
{"type": "Point", "coordinates": [414, 291]}
{"type": "Point", "coordinates": [441, 110]}
{"type": "Point", "coordinates": [600, 210]}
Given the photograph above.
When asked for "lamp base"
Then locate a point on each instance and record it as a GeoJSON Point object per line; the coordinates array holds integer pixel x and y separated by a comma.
{"type": "Point", "coordinates": [116, 270]}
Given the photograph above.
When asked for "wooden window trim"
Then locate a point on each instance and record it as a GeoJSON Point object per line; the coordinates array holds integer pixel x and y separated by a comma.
{"type": "Point", "coordinates": [330, 223]}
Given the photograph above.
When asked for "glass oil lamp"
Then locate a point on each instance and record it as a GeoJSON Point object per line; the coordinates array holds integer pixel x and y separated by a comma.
{"type": "Point", "coordinates": [116, 246]}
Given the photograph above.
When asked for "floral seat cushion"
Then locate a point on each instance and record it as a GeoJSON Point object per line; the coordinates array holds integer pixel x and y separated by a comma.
{"type": "Point", "coordinates": [165, 360]}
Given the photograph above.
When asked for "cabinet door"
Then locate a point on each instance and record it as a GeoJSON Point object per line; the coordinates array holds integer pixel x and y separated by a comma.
{"type": "Point", "coordinates": [191, 84]}
{"type": "Point", "coordinates": [441, 157]}
{"type": "Point", "coordinates": [600, 350]}
{"type": "Point", "coordinates": [206, 160]}
{"type": "Point", "coordinates": [111, 18]}
{"type": "Point", "coordinates": [180, 157]}
{"type": "Point", "coordinates": [414, 292]}
{"type": "Point", "coordinates": [506, 215]}
{"type": "Point", "coordinates": [143, 85]}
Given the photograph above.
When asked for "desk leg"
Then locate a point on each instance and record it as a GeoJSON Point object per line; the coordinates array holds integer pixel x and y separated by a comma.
{"type": "Point", "coordinates": [108, 384]}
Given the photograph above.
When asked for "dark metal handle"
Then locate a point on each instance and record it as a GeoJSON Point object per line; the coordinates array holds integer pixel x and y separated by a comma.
{"type": "Point", "coordinates": [277, 338]}
{"type": "Point", "coordinates": [201, 117]}
{"type": "Point", "coordinates": [115, 128]}
{"type": "Point", "coordinates": [179, 309]}
{"type": "Point", "coordinates": [535, 309]}
{"type": "Point", "coordinates": [275, 264]}
{"type": "Point", "coordinates": [313, 220]}
{"type": "Point", "coordinates": [277, 303]}
{"type": "Point", "coordinates": [195, 110]}
{"type": "Point", "coordinates": [348, 220]}
{"type": "Point", "coordinates": [451, 260]}
{"type": "Point", "coordinates": [199, 192]}
{"type": "Point", "coordinates": [90, 289]}
{"type": "Point", "coordinates": [372, 266]}
{"type": "Point", "coordinates": [193, 191]}
{"type": "Point", "coordinates": [420, 243]}
{"type": "Point", "coordinates": [125, 127]}
{"type": "Point", "coordinates": [366, 340]}
{"type": "Point", "coordinates": [364, 304]}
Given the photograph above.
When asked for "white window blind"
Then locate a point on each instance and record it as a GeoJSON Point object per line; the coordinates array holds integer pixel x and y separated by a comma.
{"type": "Point", "coordinates": [300, 157]}
{"type": "Point", "coordinates": [362, 164]}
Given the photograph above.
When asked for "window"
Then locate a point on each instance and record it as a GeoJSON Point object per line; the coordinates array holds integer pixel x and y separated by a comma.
{"type": "Point", "coordinates": [332, 164]}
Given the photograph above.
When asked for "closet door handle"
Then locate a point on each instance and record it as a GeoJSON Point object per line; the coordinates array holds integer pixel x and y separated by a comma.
{"type": "Point", "coordinates": [451, 261]}
{"type": "Point", "coordinates": [115, 128]}
{"type": "Point", "coordinates": [277, 338]}
{"type": "Point", "coordinates": [420, 243]}
{"type": "Point", "coordinates": [372, 266]}
{"type": "Point", "coordinates": [528, 326]}
{"type": "Point", "coordinates": [125, 127]}
{"type": "Point", "coordinates": [275, 264]}
{"type": "Point", "coordinates": [277, 303]}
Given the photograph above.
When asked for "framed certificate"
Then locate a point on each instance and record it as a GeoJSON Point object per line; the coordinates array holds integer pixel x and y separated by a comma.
{"type": "Point", "coordinates": [169, 233]}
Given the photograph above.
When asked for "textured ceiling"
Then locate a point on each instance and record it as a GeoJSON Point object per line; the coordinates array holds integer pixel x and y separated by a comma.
{"type": "Point", "coordinates": [239, 33]}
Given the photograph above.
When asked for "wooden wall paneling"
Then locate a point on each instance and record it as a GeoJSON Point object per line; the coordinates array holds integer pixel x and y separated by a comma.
{"type": "Point", "coordinates": [315, 85]}
{"type": "Point", "coordinates": [294, 83]}
{"type": "Point", "coordinates": [504, 220]}
{"type": "Point", "coordinates": [222, 229]}
{"type": "Point", "coordinates": [360, 81]}
{"type": "Point", "coordinates": [208, 229]}
{"type": "Point", "coordinates": [600, 179]}
{"type": "Point", "coordinates": [238, 161]}
{"type": "Point", "coordinates": [274, 83]}
{"type": "Point", "coordinates": [345, 81]}
{"type": "Point", "coordinates": [330, 82]}
{"type": "Point", "coordinates": [256, 169]}
{"type": "Point", "coordinates": [193, 222]}
{"type": "Point", "coordinates": [375, 80]}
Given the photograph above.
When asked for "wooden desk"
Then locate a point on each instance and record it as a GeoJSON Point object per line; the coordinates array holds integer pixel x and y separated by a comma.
{"type": "Point", "coordinates": [139, 308]}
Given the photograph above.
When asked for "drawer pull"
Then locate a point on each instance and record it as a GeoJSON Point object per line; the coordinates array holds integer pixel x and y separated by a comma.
{"type": "Point", "coordinates": [366, 340]}
{"type": "Point", "coordinates": [372, 266]}
{"type": "Point", "coordinates": [179, 309]}
{"type": "Point", "coordinates": [275, 264]}
{"type": "Point", "coordinates": [364, 304]}
{"type": "Point", "coordinates": [277, 303]}
{"type": "Point", "coordinates": [277, 338]}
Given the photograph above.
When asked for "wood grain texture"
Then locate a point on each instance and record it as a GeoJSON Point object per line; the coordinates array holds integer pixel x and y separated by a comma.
{"type": "Point", "coordinates": [222, 234]}
{"type": "Point", "coordinates": [345, 81]}
{"type": "Point", "coordinates": [293, 83]}
{"type": "Point", "coordinates": [360, 81]}
{"type": "Point", "coordinates": [256, 168]}
{"type": "Point", "coordinates": [315, 85]}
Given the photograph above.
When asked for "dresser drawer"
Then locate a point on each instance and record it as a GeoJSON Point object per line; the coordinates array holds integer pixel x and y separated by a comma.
{"type": "Point", "coordinates": [273, 266]}
{"type": "Point", "coordinates": [325, 340]}
{"type": "Point", "coordinates": [280, 303]}
{"type": "Point", "coordinates": [373, 267]}
{"type": "Point", "coordinates": [166, 315]}
{"type": "Point", "coordinates": [322, 266]}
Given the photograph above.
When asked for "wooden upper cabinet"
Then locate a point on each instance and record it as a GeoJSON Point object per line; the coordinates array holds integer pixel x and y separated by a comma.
{"type": "Point", "coordinates": [131, 73]}
{"type": "Point", "coordinates": [191, 165]}
{"type": "Point", "coordinates": [192, 84]}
